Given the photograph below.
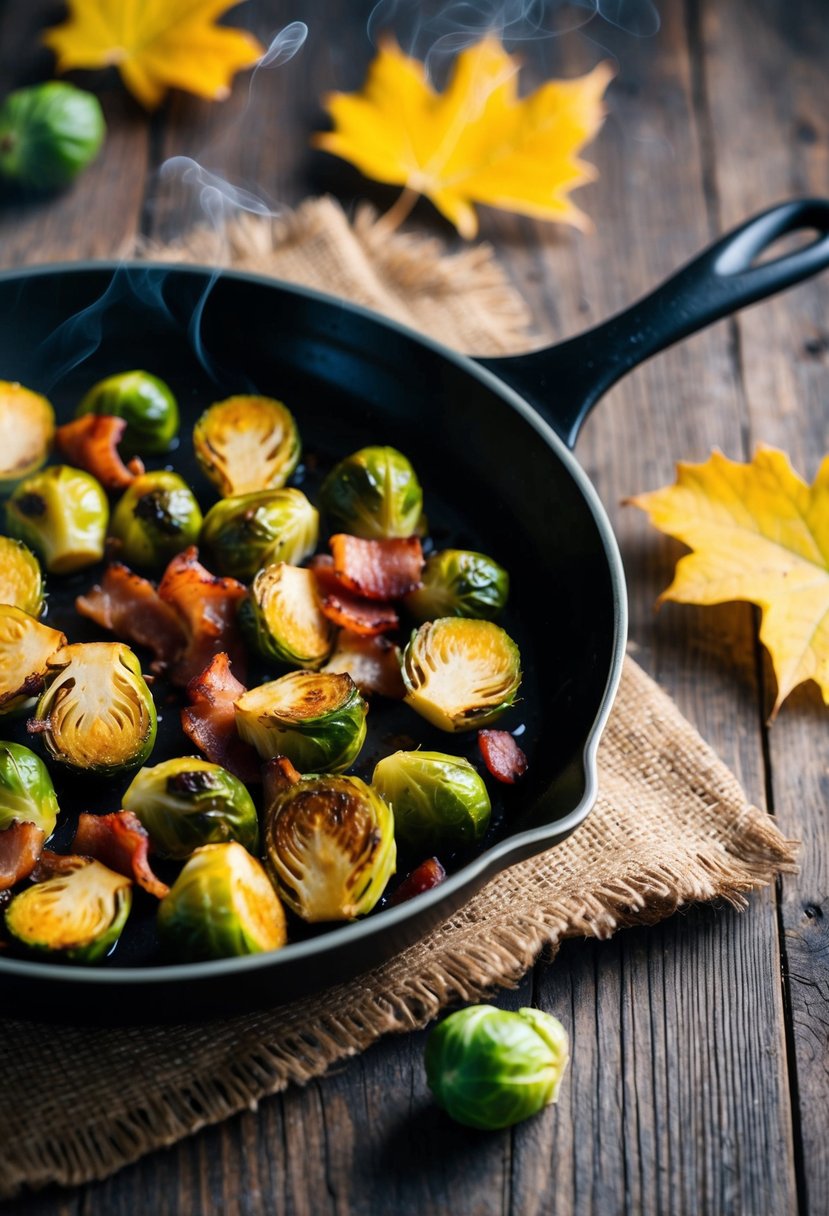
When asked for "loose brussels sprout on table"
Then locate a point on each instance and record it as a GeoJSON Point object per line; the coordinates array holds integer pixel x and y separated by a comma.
{"type": "Point", "coordinates": [26, 790]}
{"type": "Point", "coordinates": [439, 801]}
{"type": "Point", "coordinates": [26, 647]}
{"type": "Point", "coordinates": [490, 1068]}
{"type": "Point", "coordinates": [329, 844]}
{"type": "Point", "coordinates": [249, 531]}
{"type": "Point", "coordinates": [48, 134]}
{"type": "Point", "coordinates": [188, 802]}
{"type": "Point", "coordinates": [61, 513]}
{"type": "Point", "coordinates": [459, 582]}
{"type": "Point", "coordinates": [245, 444]}
{"type": "Point", "coordinates": [222, 905]}
{"type": "Point", "coordinates": [27, 427]}
{"type": "Point", "coordinates": [318, 721]}
{"type": "Point", "coordinates": [146, 404]}
{"type": "Point", "coordinates": [374, 493]}
{"type": "Point", "coordinates": [156, 517]}
{"type": "Point", "coordinates": [21, 580]}
{"type": "Point", "coordinates": [283, 619]}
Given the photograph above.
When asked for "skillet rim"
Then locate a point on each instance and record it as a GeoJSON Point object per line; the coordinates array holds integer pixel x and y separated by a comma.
{"type": "Point", "coordinates": [498, 856]}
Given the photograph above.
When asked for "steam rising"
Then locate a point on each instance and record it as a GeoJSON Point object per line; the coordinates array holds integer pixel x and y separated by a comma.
{"type": "Point", "coordinates": [284, 45]}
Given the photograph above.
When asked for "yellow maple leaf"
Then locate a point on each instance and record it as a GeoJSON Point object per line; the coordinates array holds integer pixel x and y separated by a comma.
{"type": "Point", "coordinates": [759, 533]}
{"type": "Point", "coordinates": [477, 141]}
{"type": "Point", "coordinates": [156, 45]}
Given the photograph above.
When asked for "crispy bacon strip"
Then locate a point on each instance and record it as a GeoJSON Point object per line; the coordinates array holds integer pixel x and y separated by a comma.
{"type": "Point", "coordinates": [121, 842]}
{"type": "Point", "coordinates": [207, 607]}
{"type": "Point", "coordinates": [20, 846]}
{"type": "Point", "coordinates": [347, 610]}
{"type": "Point", "coordinates": [278, 774]}
{"type": "Point", "coordinates": [210, 720]}
{"type": "Point", "coordinates": [427, 875]}
{"type": "Point", "coordinates": [502, 755]}
{"type": "Point", "coordinates": [373, 664]}
{"type": "Point", "coordinates": [50, 864]}
{"type": "Point", "coordinates": [377, 569]}
{"type": "Point", "coordinates": [91, 443]}
{"type": "Point", "coordinates": [130, 607]}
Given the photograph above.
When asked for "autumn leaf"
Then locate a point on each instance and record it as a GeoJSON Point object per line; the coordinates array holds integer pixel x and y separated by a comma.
{"type": "Point", "coordinates": [156, 45]}
{"type": "Point", "coordinates": [476, 142]}
{"type": "Point", "coordinates": [759, 533]}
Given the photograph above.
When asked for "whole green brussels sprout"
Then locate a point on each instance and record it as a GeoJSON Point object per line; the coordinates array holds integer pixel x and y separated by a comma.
{"type": "Point", "coordinates": [439, 801]}
{"type": "Point", "coordinates": [246, 443]}
{"type": "Point", "coordinates": [21, 579]}
{"type": "Point", "coordinates": [26, 790]}
{"type": "Point", "coordinates": [459, 582]}
{"type": "Point", "coordinates": [188, 802]}
{"type": "Point", "coordinates": [146, 404]}
{"type": "Point", "coordinates": [62, 514]}
{"type": "Point", "coordinates": [27, 428]}
{"type": "Point", "coordinates": [490, 1068]}
{"type": "Point", "coordinates": [249, 531]}
{"type": "Point", "coordinates": [374, 493]}
{"type": "Point", "coordinates": [155, 518]}
{"type": "Point", "coordinates": [222, 905]}
{"type": "Point", "coordinates": [48, 134]}
{"type": "Point", "coordinates": [282, 617]}
{"type": "Point", "coordinates": [315, 719]}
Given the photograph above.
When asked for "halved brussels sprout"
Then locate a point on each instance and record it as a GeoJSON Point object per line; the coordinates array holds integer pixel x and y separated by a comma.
{"type": "Point", "coordinates": [97, 713]}
{"type": "Point", "coordinates": [374, 493]}
{"type": "Point", "coordinates": [245, 444]}
{"type": "Point", "coordinates": [461, 674]}
{"type": "Point", "coordinates": [146, 404]}
{"type": "Point", "coordinates": [329, 844]}
{"type": "Point", "coordinates": [21, 579]}
{"type": "Point", "coordinates": [283, 619]}
{"type": "Point", "coordinates": [439, 801]}
{"type": "Point", "coordinates": [318, 721]}
{"type": "Point", "coordinates": [490, 1068]}
{"type": "Point", "coordinates": [250, 531]}
{"type": "Point", "coordinates": [26, 790]}
{"type": "Point", "coordinates": [76, 916]}
{"type": "Point", "coordinates": [459, 582]}
{"type": "Point", "coordinates": [156, 517]}
{"type": "Point", "coordinates": [62, 514]}
{"type": "Point", "coordinates": [222, 905]}
{"type": "Point", "coordinates": [188, 802]}
{"type": "Point", "coordinates": [27, 427]}
{"type": "Point", "coordinates": [26, 647]}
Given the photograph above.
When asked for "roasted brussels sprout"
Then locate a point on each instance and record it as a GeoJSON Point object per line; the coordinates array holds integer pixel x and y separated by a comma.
{"type": "Point", "coordinates": [329, 844]}
{"type": "Point", "coordinates": [62, 514]}
{"type": "Point", "coordinates": [439, 802]}
{"type": "Point", "coordinates": [97, 713]}
{"type": "Point", "coordinates": [318, 721]}
{"type": "Point", "coordinates": [146, 404]}
{"type": "Point", "coordinates": [156, 517]}
{"type": "Point", "coordinates": [250, 531]}
{"type": "Point", "coordinates": [222, 905]}
{"type": "Point", "coordinates": [459, 673]}
{"type": "Point", "coordinates": [26, 790]}
{"type": "Point", "coordinates": [458, 582]}
{"type": "Point", "coordinates": [490, 1068]}
{"type": "Point", "coordinates": [48, 134]}
{"type": "Point", "coordinates": [26, 647]}
{"type": "Point", "coordinates": [374, 493]}
{"type": "Point", "coordinates": [76, 916]}
{"type": "Point", "coordinates": [245, 444]}
{"type": "Point", "coordinates": [283, 619]}
{"type": "Point", "coordinates": [188, 802]}
{"type": "Point", "coordinates": [21, 580]}
{"type": "Point", "coordinates": [27, 427]}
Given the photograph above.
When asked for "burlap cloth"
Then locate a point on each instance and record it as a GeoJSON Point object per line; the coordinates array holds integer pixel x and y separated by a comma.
{"type": "Point", "coordinates": [671, 824]}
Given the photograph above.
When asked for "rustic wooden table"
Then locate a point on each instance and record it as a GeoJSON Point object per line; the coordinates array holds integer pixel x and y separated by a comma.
{"type": "Point", "coordinates": [700, 1074]}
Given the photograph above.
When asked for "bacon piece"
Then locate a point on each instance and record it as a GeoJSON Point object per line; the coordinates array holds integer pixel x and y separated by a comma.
{"type": "Point", "coordinates": [377, 569]}
{"type": "Point", "coordinates": [20, 846]}
{"type": "Point", "coordinates": [121, 842]}
{"type": "Point", "coordinates": [373, 664]}
{"type": "Point", "coordinates": [207, 606]}
{"type": "Point", "coordinates": [427, 875]}
{"type": "Point", "coordinates": [130, 607]}
{"type": "Point", "coordinates": [50, 864]}
{"type": "Point", "coordinates": [350, 611]}
{"type": "Point", "coordinates": [502, 755]}
{"type": "Point", "coordinates": [91, 443]}
{"type": "Point", "coordinates": [278, 775]}
{"type": "Point", "coordinates": [210, 720]}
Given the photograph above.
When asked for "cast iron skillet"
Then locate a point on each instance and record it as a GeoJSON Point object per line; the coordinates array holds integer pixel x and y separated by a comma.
{"type": "Point", "coordinates": [491, 441]}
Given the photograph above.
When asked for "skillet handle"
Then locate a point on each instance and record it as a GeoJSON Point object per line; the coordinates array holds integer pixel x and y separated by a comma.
{"type": "Point", "coordinates": [565, 381]}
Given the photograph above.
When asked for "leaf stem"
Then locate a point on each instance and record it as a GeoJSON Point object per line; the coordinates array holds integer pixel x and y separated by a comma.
{"type": "Point", "coordinates": [399, 210]}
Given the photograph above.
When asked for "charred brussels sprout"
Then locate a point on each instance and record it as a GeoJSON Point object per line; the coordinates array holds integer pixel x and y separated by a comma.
{"type": "Point", "coordinates": [27, 428]}
{"type": "Point", "coordinates": [48, 134]}
{"type": "Point", "coordinates": [283, 619]}
{"type": "Point", "coordinates": [461, 674]}
{"type": "Point", "coordinates": [26, 790]}
{"type": "Point", "coordinates": [250, 531]}
{"type": "Point", "coordinates": [146, 404]}
{"type": "Point", "coordinates": [374, 493]}
{"type": "Point", "coordinates": [97, 713]}
{"type": "Point", "coordinates": [21, 580]}
{"type": "Point", "coordinates": [26, 647]}
{"type": "Point", "coordinates": [155, 519]}
{"type": "Point", "coordinates": [62, 514]}
{"type": "Point", "coordinates": [439, 801]}
{"type": "Point", "coordinates": [318, 721]}
{"type": "Point", "coordinates": [329, 843]}
{"type": "Point", "coordinates": [245, 444]}
{"type": "Point", "coordinates": [76, 916]}
{"type": "Point", "coordinates": [459, 582]}
{"type": "Point", "coordinates": [188, 802]}
{"type": "Point", "coordinates": [490, 1068]}
{"type": "Point", "coordinates": [222, 905]}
